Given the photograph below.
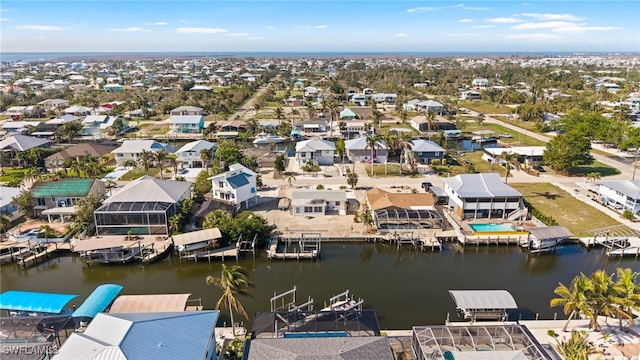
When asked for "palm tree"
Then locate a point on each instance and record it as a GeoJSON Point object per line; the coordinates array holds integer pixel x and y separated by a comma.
{"type": "Point", "coordinates": [75, 166]}
{"type": "Point", "coordinates": [373, 142]}
{"type": "Point", "coordinates": [206, 156]}
{"type": "Point", "coordinates": [110, 184]}
{"type": "Point", "coordinates": [573, 299]}
{"type": "Point", "coordinates": [603, 298]}
{"type": "Point", "coordinates": [509, 160]}
{"type": "Point", "coordinates": [431, 121]}
{"type": "Point", "coordinates": [145, 159]}
{"type": "Point", "coordinates": [160, 156]}
{"type": "Point", "coordinates": [405, 143]}
{"type": "Point", "coordinates": [234, 282]}
{"type": "Point", "coordinates": [279, 113]}
{"type": "Point", "coordinates": [628, 293]}
{"type": "Point", "coordinates": [577, 347]}
{"type": "Point", "coordinates": [290, 178]}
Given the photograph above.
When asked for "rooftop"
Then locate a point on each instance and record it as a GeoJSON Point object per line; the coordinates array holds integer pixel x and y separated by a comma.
{"type": "Point", "coordinates": [62, 188]}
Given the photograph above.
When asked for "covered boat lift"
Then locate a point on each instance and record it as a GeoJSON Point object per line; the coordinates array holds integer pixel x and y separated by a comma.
{"type": "Point", "coordinates": [97, 302]}
{"type": "Point", "coordinates": [152, 303]}
{"type": "Point", "coordinates": [483, 304]}
{"type": "Point", "coordinates": [547, 238]}
{"type": "Point", "coordinates": [29, 303]}
{"type": "Point", "coordinates": [195, 240]}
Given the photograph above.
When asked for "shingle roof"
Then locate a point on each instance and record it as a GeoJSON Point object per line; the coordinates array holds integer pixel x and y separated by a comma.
{"type": "Point", "coordinates": [336, 348]}
{"type": "Point", "coordinates": [148, 188]}
{"type": "Point", "coordinates": [22, 142]}
{"type": "Point", "coordinates": [95, 150]}
{"type": "Point", "coordinates": [485, 185]}
{"type": "Point", "coordinates": [62, 188]}
{"type": "Point", "coordinates": [379, 199]}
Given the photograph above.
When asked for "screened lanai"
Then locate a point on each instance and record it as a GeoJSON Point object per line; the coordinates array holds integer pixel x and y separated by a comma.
{"type": "Point", "coordinates": [408, 219]}
{"type": "Point", "coordinates": [141, 218]}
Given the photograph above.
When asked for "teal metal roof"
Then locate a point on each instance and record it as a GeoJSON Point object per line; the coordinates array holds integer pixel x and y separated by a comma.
{"type": "Point", "coordinates": [62, 188]}
{"type": "Point", "coordinates": [14, 300]}
{"type": "Point", "coordinates": [99, 299]}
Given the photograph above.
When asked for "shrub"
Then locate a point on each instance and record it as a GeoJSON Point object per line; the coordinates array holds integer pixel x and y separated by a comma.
{"type": "Point", "coordinates": [627, 214]}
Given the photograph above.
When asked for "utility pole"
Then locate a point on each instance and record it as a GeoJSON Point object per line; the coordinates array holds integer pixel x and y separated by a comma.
{"type": "Point", "coordinates": [635, 164]}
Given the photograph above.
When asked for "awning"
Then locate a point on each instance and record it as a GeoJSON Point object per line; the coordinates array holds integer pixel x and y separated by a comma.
{"type": "Point", "coordinates": [110, 242]}
{"type": "Point", "coordinates": [150, 303]}
{"type": "Point", "coordinates": [61, 210]}
{"type": "Point", "coordinates": [549, 232]}
{"type": "Point", "coordinates": [14, 300]}
{"type": "Point", "coordinates": [196, 236]}
{"type": "Point", "coordinates": [99, 299]}
{"type": "Point", "coordinates": [483, 299]}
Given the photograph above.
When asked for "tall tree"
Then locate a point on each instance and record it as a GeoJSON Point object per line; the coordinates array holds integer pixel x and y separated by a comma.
{"type": "Point", "coordinates": [574, 299]}
{"type": "Point", "coordinates": [628, 293]}
{"type": "Point", "coordinates": [510, 159]}
{"type": "Point", "coordinates": [568, 151]}
{"type": "Point", "coordinates": [234, 282]}
{"type": "Point", "coordinates": [373, 143]}
{"type": "Point", "coordinates": [206, 156]}
{"type": "Point", "coordinates": [160, 156]}
{"type": "Point", "coordinates": [145, 159]}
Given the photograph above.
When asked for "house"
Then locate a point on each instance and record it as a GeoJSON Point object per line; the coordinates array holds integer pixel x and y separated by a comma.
{"type": "Point", "coordinates": [620, 194]}
{"type": "Point", "coordinates": [19, 126]}
{"type": "Point", "coordinates": [320, 152]}
{"type": "Point", "coordinates": [186, 124]}
{"type": "Point", "coordinates": [187, 110]}
{"type": "Point", "coordinates": [7, 207]}
{"type": "Point", "coordinates": [484, 195]}
{"type": "Point", "coordinates": [76, 109]}
{"type": "Point", "coordinates": [608, 86]}
{"type": "Point", "coordinates": [480, 83]}
{"type": "Point", "coordinates": [236, 186]}
{"type": "Point", "coordinates": [424, 125]}
{"type": "Point", "coordinates": [318, 202]}
{"type": "Point", "coordinates": [358, 99]}
{"type": "Point", "coordinates": [189, 153]}
{"type": "Point", "coordinates": [320, 347]}
{"type": "Point", "coordinates": [142, 207]}
{"type": "Point", "coordinates": [403, 210]}
{"type": "Point", "coordinates": [358, 150]}
{"type": "Point", "coordinates": [112, 88]}
{"type": "Point", "coordinates": [132, 150]}
{"type": "Point", "coordinates": [59, 198]}
{"type": "Point", "coordinates": [424, 151]}
{"type": "Point", "coordinates": [347, 114]}
{"type": "Point", "coordinates": [470, 95]}
{"type": "Point", "coordinates": [16, 111]}
{"type": "Point", "coordinates": [97, 125]}
{"type": "Point", "coordinates": [145, 335]}
{"type": "Point", "coordinates": [77, 152]}
{"type": "Point", "coordinates": [14, 145]}
{"type": "Point", "coordinates": [311, 126]}
{"type": "Point", "coordinates": [311, 92]}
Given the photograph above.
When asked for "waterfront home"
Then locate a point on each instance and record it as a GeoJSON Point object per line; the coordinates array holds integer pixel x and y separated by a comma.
{"type": "Point", "coordinates": [528, 155]}
{"type": "Point", "coordinates": [132, 150]}
{"type": "Point", "coordinates": [54, 104]}
{"type": "Point", "coordinates": [143, 335]}
{"type": "Point", "coordinates": [424, 151]}
{"type": "Point", "coordinates": [311, 126]}
{"type": "Point", "coordinates": [480, 83]}
{"type": "Point", "coordinates": [7, 207]}
{"type": "Point", "coordinates": [358, 150]}
{"type": "Point", "coordinates": [97, 125]}
{"type": "Point", "coordinates": [379, 199]}
{"type": "Point", "coordinates": [608, 86]}
{"type": "Point", "coordinates": [19, 126]}
{"type": "Point", "coordinates": [12, 146]}
{"type": "Point", "coordinates": [187, 110]}
{"type": "Point", "coordinates": [60, 197]}
{"type": "Point", "coordinates": [426, 106]}
{"type": "Point", "coordinates": [189, 153]}
{"type": "Point", "coordinates": [321, 152]}
{"type": "Point", "coordinates": [620, 194]}
{"type": "Point", "coordinates": [403, 210]}
{"type": "Point", "coordinates": [143, 206]}
{"type": "Point", "coordinates": [382, 98]}
{"type": "Point", "coordinates": [230, 128]}
{"type": "Point", "coordinates": [318, 202]}
{"type": "Point", "coordinates": [77, 109]}
{"type": "Point", "coordinates": [186, 124]}
{"type": "Point", "coordinates": [310, 92]}
{"type": "Point", "coordinates": [347, 114]}
{"type": "Point", "coordinates": [485, 195]}
{"type": "Point", "coordinates": [77, 152]}
{"type": "Point", "coordinates": [424, 125]}
{"type": "Point", "coordinates": [320, 347]}
{"type": "Point", "coordinates": [236, 186]}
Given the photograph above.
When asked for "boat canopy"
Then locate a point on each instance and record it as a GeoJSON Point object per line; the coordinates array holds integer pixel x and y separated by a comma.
{"type": "Point", "coordinates": [14, 300]}
{"type": "Point", "coordinates": [98, 301]}
{"type": "Point", "coordinates": [99, 243]}
{"type": "Point", "coordinates": [550, 232]}
{"type": "Point", "coordinates": [196, 236]}
{"type": "Point", "coordinates": [483, 299]}
{"type": "Point", "coordinates": [150, 303]}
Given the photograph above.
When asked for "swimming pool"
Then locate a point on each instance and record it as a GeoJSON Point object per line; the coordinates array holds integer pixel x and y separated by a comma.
{"type": "Point", "coordinates": [504, 227]}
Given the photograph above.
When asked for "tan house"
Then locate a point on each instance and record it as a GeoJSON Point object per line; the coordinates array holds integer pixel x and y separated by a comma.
{"type": "Point", "coordinates": [403, 210]}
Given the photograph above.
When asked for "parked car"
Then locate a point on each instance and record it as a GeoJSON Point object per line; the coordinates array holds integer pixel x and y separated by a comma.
{"type": "Point", "coordinates": [182, 171]}
{"type": "Point", "coordinates": [506, 135]}
{"type": "Point", "coordinates": [426, 186]}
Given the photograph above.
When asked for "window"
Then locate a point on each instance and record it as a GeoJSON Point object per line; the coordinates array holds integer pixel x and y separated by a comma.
{"type": "Point", "coordinates": [41, 202]}
{"type": "Point", "coordinates": [297, 210]}
{"type": "Point", "coordinates": [308, 209]}
{"type": "Point", "coordinates": [337, 203]}
{"type": "Point", "coordinates": [220, 184]}
{"type": "Point", "coordinates": [317, 209]}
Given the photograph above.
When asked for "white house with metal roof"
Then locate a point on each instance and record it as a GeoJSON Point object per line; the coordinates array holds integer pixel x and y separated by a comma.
{"type": "Point", "coordinates": [620, 194]}
{"type": "Point", "coordinates": [189, 154]}
{"type": "Point", "coordinates": [358, 150]}
{"type": "Point", "coordinates": [13, 145]}
{"type": "Point", "coordinates": [236, 186]}
{"type": "Point", "coordinates": [187, 110]}
{"type": "Point", "coordinates": [319, 151]}
{"type": "Point", "coordinates": [426, 150]}
{"type": "Point", "coordinates": [132, 149]}
{"type": "Point", "coordinates": [133, 336]}
{"type": "Point", "coordinates": [318, 202]}
{"type": "Point", "coordinates": [484, 195]}
{"type": "Point", "coordinates": [186, 124]}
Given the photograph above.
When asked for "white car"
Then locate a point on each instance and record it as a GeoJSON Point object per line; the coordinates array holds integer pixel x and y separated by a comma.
{"type": "Point", "coordinates": [506, 135]}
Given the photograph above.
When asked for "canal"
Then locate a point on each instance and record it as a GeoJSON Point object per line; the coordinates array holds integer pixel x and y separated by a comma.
{"type": "Point", "coordinates": [405, 287]}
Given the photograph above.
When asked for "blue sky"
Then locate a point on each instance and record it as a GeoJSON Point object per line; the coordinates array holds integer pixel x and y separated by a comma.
{"type": "Point", "coordinates": [350, 25]}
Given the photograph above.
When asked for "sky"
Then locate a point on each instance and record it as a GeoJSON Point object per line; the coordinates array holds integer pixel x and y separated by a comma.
{"type": "Point", "coordinates": [319, 26]}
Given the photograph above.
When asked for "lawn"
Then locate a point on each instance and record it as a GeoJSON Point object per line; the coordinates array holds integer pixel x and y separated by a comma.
{"type": "Point", "coordinates": [385, 126]}
{"type": "Point", "coordinates": [391, 170]}
{"type": "Point", "coordinates": [480, 165]}
{"type": "Point", "coordinates": [485, 107]}
{"type": "Point", "coordinates": [518, 138]}
{"type": "Point", "coordinates": [604, 170]}
{"type": "Point", "coordinates": [139, 172]}
{"type": "Point", "coordinates": [153, 129]}
{"type": "Point", "coordinates": [564, 208]}
{"type": "Point", "coordinates": [12, 175]}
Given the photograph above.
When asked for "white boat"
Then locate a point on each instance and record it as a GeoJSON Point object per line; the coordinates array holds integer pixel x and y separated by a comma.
{"type": "Point", "coordinates": [269, 138]}
{"type": "Point", "coordinates": [629, 250]}
{"type": "Point", "coordinates": [536, 244]}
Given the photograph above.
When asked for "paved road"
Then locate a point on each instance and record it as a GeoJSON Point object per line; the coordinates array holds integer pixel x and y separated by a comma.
{"type": "Point", "coordinates": [249, 104]}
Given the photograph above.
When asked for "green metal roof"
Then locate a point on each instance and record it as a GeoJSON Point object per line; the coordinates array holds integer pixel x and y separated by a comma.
{"type": "Point", "coordinates": [62, 188]}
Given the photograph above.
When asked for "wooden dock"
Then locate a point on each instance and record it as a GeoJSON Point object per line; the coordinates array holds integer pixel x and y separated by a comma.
{"type": "Point", "coordinates": [614, 246]}
{"type": "Point", "coordinates": [37, 254]}
{"type": "Point", "coordinates": [298, 248]}
{"type": "Point", "coordinates": [229, 252]}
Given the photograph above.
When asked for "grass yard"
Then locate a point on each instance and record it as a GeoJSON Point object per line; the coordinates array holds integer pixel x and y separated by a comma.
{"type": "Point", "coordinates": [12, 175]}
{"type": "Point", "coordinates": [485, 107]}
{"type": "Point", "coordinates": [153, 129]}
{"type": "Point", "coordinates": [393, 170]}
{"type": "Point", "coordinates": [139, 172]}
{"type": "Point", "coordinates": [456, 164]}
{"type": "Point", "coordinates": [518, 138]}
{"type": "Point", "coordinates": [385, 126]}
{"type": "Point", "coordinates": [564, 208]}
{"type": "Point", "coordinates": [597, 166]}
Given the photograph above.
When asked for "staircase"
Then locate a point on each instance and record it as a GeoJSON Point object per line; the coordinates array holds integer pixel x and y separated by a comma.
{"type": "Point", "coordinates": [518, 214]}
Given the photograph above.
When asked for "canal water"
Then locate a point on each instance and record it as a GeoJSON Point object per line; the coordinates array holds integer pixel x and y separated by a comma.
{"type": "Point", "coordinates": [405, 287]}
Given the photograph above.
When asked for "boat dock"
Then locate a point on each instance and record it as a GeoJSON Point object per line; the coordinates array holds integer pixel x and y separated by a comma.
{"type": "Point", "coordinates": [234, 251]}
{"type": "Point", "coordinates": [305, 246]}
{"type": "Point", "coordinates": [36, 253]}
{"type": "Point", "coordinates": [418, 241]}
{"type": "Point", "coordinates": [614, 246]}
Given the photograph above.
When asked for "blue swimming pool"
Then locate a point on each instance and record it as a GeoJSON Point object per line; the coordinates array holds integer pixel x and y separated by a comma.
{"type": "Point", "coordinates": [504, 227]}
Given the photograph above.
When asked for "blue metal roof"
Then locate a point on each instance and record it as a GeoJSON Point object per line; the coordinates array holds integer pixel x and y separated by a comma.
{"type": "Point", "coordinates": [14, 300]}
{"type": "Point", "coordinates": [238, 180]}
{"type": "Point", "coordinates": [99, 299]}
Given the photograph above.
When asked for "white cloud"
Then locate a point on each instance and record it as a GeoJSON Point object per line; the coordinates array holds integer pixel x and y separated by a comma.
{"type": "Point", "coordinates": [200, 30]}
{"type": "Point", "coordinates": [131, 29]}
{"type": "Point", "coordinates": [157, 23]}
{"type": "Point", "coordinates": [542, 25]}
{"type": "Point", "coordinates": [575, 28]}
{"type": "Point", "coordinates": [503, 20]}
{"type": "Point", "coordinates": [420, 9]}
{"type": "Point", "coordinates": [483, 27]}
{"type": "Point", "coordinates": [40, 27]}
{"type": "Point", "coordinates": [270, 27]}
{"type": "Point", "coordinates": [465, 20]}
{"type": "Point", "coordinates": [461, 35]}
{"type": "Point", "coordinates": [553, 17]}
{"type": "Point", "coordinates": [534, 37]}
{"type": "Point", "coordinates": [322, 26]}
{"type": "Point", "coordinates": [236, 34]}
{"type": "Point", "coordinates": [255, 38]}
{"type": "Point", "coordinates": [400, 35]}
{"type": "Point", "coordinates": [475, 8]}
